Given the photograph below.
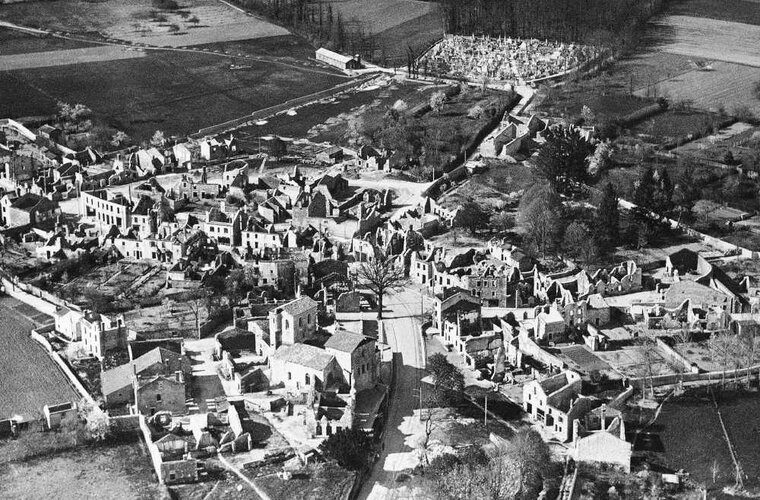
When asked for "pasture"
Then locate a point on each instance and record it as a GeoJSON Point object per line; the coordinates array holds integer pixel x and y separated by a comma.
{"type": "Point", "coordinates": [66, 57]}
{"type": "Point", "coordinates": [17, 42]}
{"type": "Point", "coordinates": [378, 16]}
{"type": "Point", "coordinates": [195, 22]}
{"type": "Point", "coordinates": [710, 39]}
{"type": "Point", "coordinates": [177, 92]}
{"type": "Point", "coordinates": [689, 436]}
{"type": "Point", "coordinates": [395, 24]}
{"type": "Point", "coordinates": [118, 471]}
{"type": "Point", "coordinates": [30, 379]}
{"type": "Point", "coordinates": [740, 11]}
{"type": "Point", "coordinates": [708, 64]}
{"type": "Point", "coordinates": [724, 85]}
{"type": "Point", "coordinates": [675, 124]}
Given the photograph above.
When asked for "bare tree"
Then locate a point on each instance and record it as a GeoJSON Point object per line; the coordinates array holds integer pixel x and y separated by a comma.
{"type": "Point", "coordinates": [649, 353]}
{"type": "Point", "coordinates": [380, 275]}
{"type": "Point", "coordinates": [197, 302]}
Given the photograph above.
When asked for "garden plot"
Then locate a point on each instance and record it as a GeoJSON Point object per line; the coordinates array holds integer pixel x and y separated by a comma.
{"type": "Point", "coordinates": [133, 278]}
{"type": "Point", "coordinates": [631, 361]}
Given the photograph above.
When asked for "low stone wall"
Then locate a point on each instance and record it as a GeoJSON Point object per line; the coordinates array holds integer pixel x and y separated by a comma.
{"type": "Point", "coordinates": [710, 377]}
{"type": "Point", "coordinates": [673, 356]}
{"type": "Point", "coordinates": [18, 293]}
{"type": "Point", "coordinates": [155, 455]}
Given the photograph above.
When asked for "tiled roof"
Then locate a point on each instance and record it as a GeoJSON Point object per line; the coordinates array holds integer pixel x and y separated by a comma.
{"type": "Point", "coordinates": [158, 355]}
{"type": "Point", "coordinates": [345, 341]}
{"type": "Point", "coordinates": [304, 355]}
{"type": "Point", "coordinates": [299, 306]}
{"type": "Point", "coordinates": [116, 379]}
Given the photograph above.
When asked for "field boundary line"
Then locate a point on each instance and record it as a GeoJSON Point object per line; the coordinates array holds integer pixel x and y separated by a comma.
{"type": "Point", "coordinates": [731, 449]}
{"type": "Point", "coordinates": [145, 47]}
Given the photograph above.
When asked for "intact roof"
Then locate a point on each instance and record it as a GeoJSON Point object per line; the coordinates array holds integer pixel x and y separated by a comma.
{"type": "Point", "coordinates": [27, 201]}
{"type": "Point", "coordinates": [304, 355]}
{"type": "Point", "coordinates": [299, 306]}
{"type": "Point", "coordinates": [334, 55]}
{"type": "Point", "coordinates": [140, 347]}
{"type": "Point", "coordinates": [345, 341]}
{"type": "Point", "coordinates": [62, 311]}
{"type": "Point", "coordinates": [116, 379]}
{"type": "Point", "coordinates": [158, 355]}
{"type": "Point", "coordinates": [332, 150]}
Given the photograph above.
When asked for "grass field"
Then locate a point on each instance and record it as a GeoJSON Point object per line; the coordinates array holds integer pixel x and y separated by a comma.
{"type": "Point", "coordinates": [121, 471]}
{"type": "Point", "coordinates": [725, 86]}
{"type": "Point", "coordinates": [375, 17]}
{"type": "Point", "coordinates": [67, 57]}
{"type": "Point", "coordinates": [711, 39]}
{"type": "Point", "coordinates": [740, 11]}
{"type": "Point", "coordinates": [608, 98]}
{"type": "Point", "coordinates": [178, 93]}
{"type": "Point", "coordinates": [672, 124]}
{"type": "Point", "coordinates": [396, 24]}
{"type": "Point", "coordinates": [710, 63]}
{"type": "Point", "coordinates": [691, 437]}
{"type": "Point", "coordinates": [197, 22]}
{"type": "Point", "coordinates": [17, 42]}
{"type": "Point", "coordinates": [30, 379]}
{"type": "Point", "coordinates": [418, 33]}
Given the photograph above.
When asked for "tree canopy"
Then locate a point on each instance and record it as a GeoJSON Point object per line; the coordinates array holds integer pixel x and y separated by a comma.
{"type": "Point", "coordinates": [540, 212]}
{"type": "Point", "coordinates": [351, 448]}
{"type": "Point", "coordinates": [380, 275]}
{"type": "Point", "coordinates": [562, 160]}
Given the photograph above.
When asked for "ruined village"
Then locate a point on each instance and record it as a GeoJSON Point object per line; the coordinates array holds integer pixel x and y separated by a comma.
{"type": "Point", "coordinates": [506, 263]}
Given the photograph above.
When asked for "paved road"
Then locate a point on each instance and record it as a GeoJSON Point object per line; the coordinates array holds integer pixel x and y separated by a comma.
{"type": "Point", "coordinates": [402, 327]}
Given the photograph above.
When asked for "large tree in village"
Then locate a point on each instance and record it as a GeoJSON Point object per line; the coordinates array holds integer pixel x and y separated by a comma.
{"type": "Point", "coordinates": [380, 275]}
{"type": "Point", "coordinates": [563, 159]}
{"type": "Point", "coordinates": [653, 195]}
{"type": "Point", "coordinates": [540, 212]}
{"type": "Point", "coordinates": [607, 222]}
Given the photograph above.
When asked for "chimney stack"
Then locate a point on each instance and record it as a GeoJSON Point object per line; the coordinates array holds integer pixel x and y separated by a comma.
{"type": "Point", "coordinates": [603, 413]}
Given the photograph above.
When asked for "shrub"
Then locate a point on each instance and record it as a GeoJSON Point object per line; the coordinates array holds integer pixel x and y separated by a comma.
{"type": "Point", "coordinates": [166, 4]}
{"type": "Point", "coordinates": [351, 448]}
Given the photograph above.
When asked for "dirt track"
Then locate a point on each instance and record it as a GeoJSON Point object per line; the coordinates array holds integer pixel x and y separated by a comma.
{"type": "Point", "coordinates": [710, 39]}
{"type": "Point", "coordinates": [66, 57]}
